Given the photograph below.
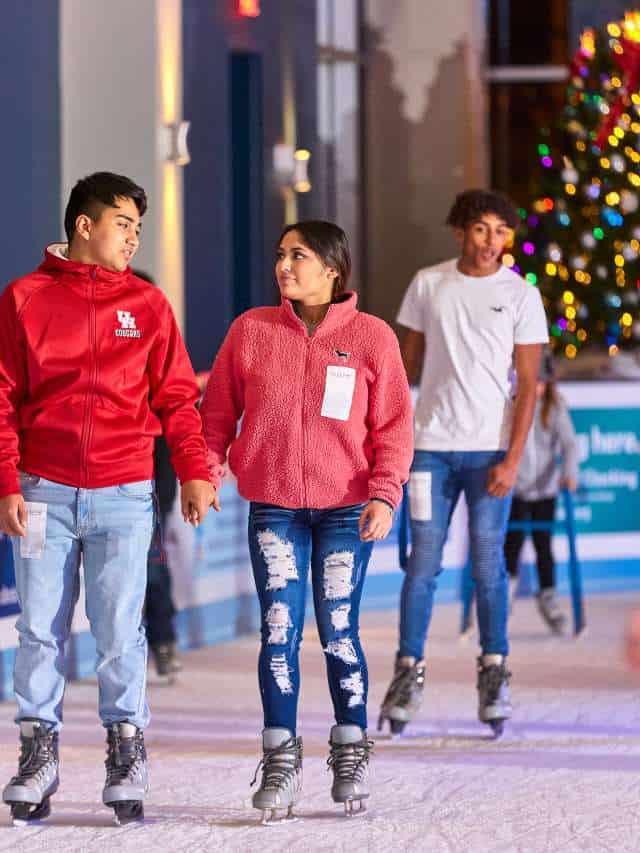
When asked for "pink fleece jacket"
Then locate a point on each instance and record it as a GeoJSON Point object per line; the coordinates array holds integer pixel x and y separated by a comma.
{"type": "Point", "coordinates": [274, 376]}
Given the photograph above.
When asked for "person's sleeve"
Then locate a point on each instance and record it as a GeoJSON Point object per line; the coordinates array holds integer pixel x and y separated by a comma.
{"type": "Point", "coordinates": [222, 405]}
{"type": "Point", "coordinates": [411, 313]}
{"type": "Point", "coordinates": [173, 395]}
{"type": "Point", "coordinates": [531, 322]}
{"type": "Point", "coordinates": [390, 428]}
{"type": "Point", "coordinates": [568, 443]}
{"type": "Point", "coordinates": [13, 385]}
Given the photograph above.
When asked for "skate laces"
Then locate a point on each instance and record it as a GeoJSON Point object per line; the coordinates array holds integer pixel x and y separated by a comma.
{"type": "Point", "coordinates": [35, 753]}
{"type": "Point", "coordinates": [491, 678]}
{"type": "Point", "coordinates": [405, 681]}
{"type": "Point", "coordinates": [277, 766]}
{"type": "Point", "coordinates": [123, 755]}
{"type": "Point", "coordinates": [348, 760]}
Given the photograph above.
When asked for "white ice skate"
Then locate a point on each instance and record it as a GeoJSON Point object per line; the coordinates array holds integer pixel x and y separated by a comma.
{"type": "Point", "coordinates": [349, 761]}
{"type": "Point", "coordinates": [281, 783]}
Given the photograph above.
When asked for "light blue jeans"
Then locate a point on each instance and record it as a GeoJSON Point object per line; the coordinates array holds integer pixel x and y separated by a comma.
{"type": "Point", "coordinates": [110, 530]}
{"type": "Point", "coordinates": [436, 482]}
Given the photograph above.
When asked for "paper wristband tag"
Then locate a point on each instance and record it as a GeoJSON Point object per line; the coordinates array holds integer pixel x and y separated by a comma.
{"type": "Point", "coordinates": [420, 495]}
{"type": "Point", "coordinates": [32, 545]}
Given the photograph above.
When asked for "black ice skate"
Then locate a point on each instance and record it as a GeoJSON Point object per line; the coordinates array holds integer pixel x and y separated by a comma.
{"type": "Point", "coordinates": [281, 783]}
{"type": "Point", "coordinates": [404, 696]}
{"type": "Point", "coordinates": [165, 659]}
{"type": "Point", "coordinates": [29, 791]}
{"type": "Point", "coordinates": [127, 782]}
{"type": "Point", "coordinates": [494, 702]}
{"type": "Point", "coordinates": [349, 761]}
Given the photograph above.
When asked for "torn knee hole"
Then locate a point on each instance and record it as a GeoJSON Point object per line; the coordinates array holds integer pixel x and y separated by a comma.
{"type": "Point", "coordinates": [338, 571]}
{"type": "Point", "coordinates": [280, 559]}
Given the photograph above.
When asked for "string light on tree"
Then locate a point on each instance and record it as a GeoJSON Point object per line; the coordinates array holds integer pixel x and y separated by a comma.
{"type": "Point", "coordinates": [580, 235]}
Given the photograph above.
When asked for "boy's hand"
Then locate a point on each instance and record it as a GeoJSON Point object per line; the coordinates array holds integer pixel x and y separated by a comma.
{"type": "Point", "coordinates": [13, 515]}
{"type": "Point", "coordinates": [502, 478]}
{"type": "Point", "coordinates": [375, 521]}
{"type": "Point", "coordinates": [196, 496]}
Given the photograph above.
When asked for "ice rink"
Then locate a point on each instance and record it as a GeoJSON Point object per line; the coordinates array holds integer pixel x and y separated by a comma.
{"type": "Point", "coordinates": [565, 776]}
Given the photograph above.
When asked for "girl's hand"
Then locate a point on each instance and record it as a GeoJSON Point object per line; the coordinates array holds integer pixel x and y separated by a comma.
{"type": "Point", "coordinates": [375, 521]}
{"type": "Point", "coordinates": [569, 484]}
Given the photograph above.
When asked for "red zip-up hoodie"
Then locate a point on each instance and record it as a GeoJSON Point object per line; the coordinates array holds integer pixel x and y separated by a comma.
{"type": "Point", "coordinates": [92, 368]}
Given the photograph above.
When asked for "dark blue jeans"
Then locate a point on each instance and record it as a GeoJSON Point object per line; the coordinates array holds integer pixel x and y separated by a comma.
{"type": "Point", "coordinates": [284, 543]}
{"type": "Point", "coordinates": [437, 479]}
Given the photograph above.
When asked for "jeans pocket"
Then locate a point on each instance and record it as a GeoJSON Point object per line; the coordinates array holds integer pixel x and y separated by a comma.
{"type": "Point", "coordinates": [29, 481]}
{"type": "Point", "coordinates": [142, 489]}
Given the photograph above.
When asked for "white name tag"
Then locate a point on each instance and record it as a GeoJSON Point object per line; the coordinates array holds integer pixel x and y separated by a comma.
{"type": "Point", "coordinates": [32, 545]}
{"type": "Point", "coordinates": [338, 392]}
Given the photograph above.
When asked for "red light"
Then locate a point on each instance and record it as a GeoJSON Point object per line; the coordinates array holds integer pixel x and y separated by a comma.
{"type": "Point", "coordinates": [248, 8]}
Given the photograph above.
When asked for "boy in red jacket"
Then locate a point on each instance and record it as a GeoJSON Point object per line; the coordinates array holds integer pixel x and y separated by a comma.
{"type": "Point", "coordinates": [92, 368]}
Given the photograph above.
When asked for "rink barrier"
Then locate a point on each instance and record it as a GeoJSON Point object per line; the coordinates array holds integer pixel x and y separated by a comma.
{"type": "Point", "coordinates": [212, 622]}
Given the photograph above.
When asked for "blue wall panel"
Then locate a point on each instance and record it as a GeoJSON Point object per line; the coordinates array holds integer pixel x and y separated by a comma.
{"type": "Point", "coordinates": [30, 138]}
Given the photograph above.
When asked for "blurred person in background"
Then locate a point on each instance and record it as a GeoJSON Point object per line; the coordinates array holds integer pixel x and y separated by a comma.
{"type": "Point", "coordinates": [549, 463]}
{"type": "Point", "coordinates": [467, 320]}
{"type": "Point", "coordinates": [159, 608]}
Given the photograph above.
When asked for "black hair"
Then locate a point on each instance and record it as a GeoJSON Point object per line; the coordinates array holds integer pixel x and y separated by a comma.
{"type": "Point", "coordinates": [144, 275]}
{"type": "Point", "coordinates": [470, 205]}
{"type": "Point", "coordinates": [95, 192]}
{"type": "Point", "coordinates": [329, 242]}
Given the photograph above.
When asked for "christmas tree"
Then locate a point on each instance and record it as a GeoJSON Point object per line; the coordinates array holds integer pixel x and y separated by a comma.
{"type": "Point", "coordinates": [580, 240]}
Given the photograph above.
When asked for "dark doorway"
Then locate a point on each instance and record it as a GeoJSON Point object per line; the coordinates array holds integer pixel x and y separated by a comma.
{"type": "Point", "coordinates": [247, 185]}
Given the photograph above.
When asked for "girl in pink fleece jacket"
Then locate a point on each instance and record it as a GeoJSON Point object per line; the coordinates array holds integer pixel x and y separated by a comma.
{"type": "Point", "coordinates": [324, 446]}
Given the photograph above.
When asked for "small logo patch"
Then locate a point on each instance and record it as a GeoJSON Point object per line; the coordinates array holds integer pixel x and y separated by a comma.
{"type": "Point", "coordinates": [497, 308]}
{"type": "Point", "coordinates": [343, 356]}
{"type": "Point", "coordinates": [127, 325]}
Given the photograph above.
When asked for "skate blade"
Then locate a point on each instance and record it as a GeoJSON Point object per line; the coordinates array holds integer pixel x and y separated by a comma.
{"type": "Point", "coordinates": [350, 811]}
{"type": "Point", "coordinates": [497, 727]}
{"type": "Point", "coordinates": [128, 811]}
{"type": "Point", "coordinates": [30, 814]}
{"type": "Point", "coordinates": [270, 817]}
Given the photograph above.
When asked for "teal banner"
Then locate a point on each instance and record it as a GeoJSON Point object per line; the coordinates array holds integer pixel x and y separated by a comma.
{"type": "Point", "coordinates": [608, 499]}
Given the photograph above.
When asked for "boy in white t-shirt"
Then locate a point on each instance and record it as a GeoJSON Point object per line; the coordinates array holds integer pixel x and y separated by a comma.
{"type": "Point", "coordinates": [468, 320]}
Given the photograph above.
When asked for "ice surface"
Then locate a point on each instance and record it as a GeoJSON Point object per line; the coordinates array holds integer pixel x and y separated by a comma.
{"type": "Point", "coordinates": [564, 778]}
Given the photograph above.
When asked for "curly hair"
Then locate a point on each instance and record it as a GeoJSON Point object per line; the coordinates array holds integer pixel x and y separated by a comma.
{"type": "Point", "coordinates": [471, 204]}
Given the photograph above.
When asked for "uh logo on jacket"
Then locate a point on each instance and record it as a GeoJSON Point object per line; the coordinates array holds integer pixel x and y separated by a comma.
{"type": "Point", "coordinates": [128, 328]}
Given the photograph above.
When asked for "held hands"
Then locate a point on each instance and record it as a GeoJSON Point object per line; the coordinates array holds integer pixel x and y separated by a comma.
{"type": "Point", "coordinates": [569, 484]}
{"type": "Point", "coordinates": [196, 496]}
{"type": "Point", "coordinates": [502, 478]}
{"type": "Point", "coordinates": [375, 521]}
{"type": "Point", "coordinates": [13, 515]}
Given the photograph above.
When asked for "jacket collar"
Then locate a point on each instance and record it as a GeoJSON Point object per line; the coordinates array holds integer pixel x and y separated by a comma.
{"type": "Point", "coordinates": [338, 314]}
{"type": "Point", "coordinates": [57, 262]}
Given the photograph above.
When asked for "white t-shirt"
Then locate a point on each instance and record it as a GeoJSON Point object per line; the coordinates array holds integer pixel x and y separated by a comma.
{"type": "Point", "coordinates": [471, 325]}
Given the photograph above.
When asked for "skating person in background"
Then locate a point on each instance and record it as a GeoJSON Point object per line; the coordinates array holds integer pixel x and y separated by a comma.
{"type": "Point", "coordinates": [323, 449]}
{"type": "Point", "coordinates": [159, 609]}
{"type": "Point", "coordinates": [466, 320]}
{"type": "Point", "coordinates": [549, 463]}
{"type": "Point", "coordinates": [92, 368]}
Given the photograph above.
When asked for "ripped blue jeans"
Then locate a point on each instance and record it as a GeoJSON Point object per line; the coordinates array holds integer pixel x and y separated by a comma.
{"type": "Point", "coordinates": [284, 543]}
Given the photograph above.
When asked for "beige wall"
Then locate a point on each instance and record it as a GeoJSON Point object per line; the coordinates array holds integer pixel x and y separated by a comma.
{"type": "Point", "coordinates": [121, 82]}
{"type": "Point", "coordinates": [425, 134]}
